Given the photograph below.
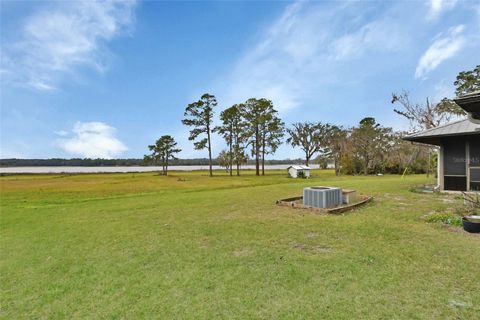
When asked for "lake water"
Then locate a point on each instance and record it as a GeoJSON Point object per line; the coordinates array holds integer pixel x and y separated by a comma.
{"type": "Point", "coordinates": [122, 169]}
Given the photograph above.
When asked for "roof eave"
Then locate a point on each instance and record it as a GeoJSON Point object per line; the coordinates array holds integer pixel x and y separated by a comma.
{"type": "Point", "coordinates": [470, 103]}
{"type": "Point", "coordinates": [437, 139]}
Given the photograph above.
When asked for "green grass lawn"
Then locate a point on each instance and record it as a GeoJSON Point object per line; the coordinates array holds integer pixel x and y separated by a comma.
{"type": "Point", "coordinates": [192, 247]}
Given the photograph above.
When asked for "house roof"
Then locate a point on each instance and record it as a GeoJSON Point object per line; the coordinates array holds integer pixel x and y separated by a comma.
{"type": "Point", "coordinates": [299, 167]}
{"type": "Point", "coordinates": [434, 135]}
{"type": "Point", "coordinates": [471, 104]}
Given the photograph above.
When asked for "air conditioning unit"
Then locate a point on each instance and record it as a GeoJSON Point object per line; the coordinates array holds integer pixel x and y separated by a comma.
{"type": "Point", "coordinates": [322, 197]}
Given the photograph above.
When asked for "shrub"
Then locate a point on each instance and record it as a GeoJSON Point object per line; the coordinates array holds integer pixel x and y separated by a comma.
{"type": "Point", "coordinates": [471, 202]}
{"type": "Point", "coordinates": [445, 217]}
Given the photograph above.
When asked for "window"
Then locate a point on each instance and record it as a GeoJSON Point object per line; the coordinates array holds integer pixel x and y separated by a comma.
{"type": "Point", "coordinates": [454, 157]}
{"type": "Point", "coordinates": [455, 183]}
{"type": "Point", "coordinates": [474, 164]}
{"type": "Point", "coordinates": [454, 163]}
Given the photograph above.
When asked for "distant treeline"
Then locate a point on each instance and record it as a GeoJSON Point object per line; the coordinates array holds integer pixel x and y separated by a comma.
{"type": "Point", "coordinates": [56, 162]}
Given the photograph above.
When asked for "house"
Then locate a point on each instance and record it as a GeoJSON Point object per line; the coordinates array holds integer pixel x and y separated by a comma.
{"type": "Point", "coordinates": [459, 143]}
{"type": "Point", "coordinates": [298, 171]}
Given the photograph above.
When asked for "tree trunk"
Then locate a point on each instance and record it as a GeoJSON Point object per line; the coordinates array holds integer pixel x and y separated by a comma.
{"type": "Point", "coordinates": [257, 152]}
{"type": "Point", "coordinates": [307, 159]}
{"type": "Point", "coordinates": [429, 162]}
{"type": "Point", "coordinates": [337, 166]}
{"type": "Point", "coordinates": [263, 157]}
{"type": "Point", "coordinates": [209, 151]}
{"type": "Point", "coordinates": [231, 155]}
{"type": "Point", "coordinates": [237, 148]}
{"type": "Point", "coordinates": [257, 162]}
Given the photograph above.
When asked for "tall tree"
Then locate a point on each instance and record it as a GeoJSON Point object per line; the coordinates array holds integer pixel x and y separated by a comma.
{"type": "Point", "coordinates": [257, 113]}
{"type": "Point", "coordinates": [309, 136]}
{"type": "Point", "coordinates": [163, 150]}
{"type": "Point", "coordinates": [272, 132]}
{"type": "Point", "coordinates": [466, 82]}
{"type": "Point", "coordinates": [336, 137]}
{"type": "Point", "coordinates": [199, 115]}
{"type": "Point", "coordinates": [232, 130]}
{"type": "Point", "coordinates": [422, 116]}
{"type": "Point", "coordinates": [370, 141]}
{"type": "Point", "coordinates": [402, 153]}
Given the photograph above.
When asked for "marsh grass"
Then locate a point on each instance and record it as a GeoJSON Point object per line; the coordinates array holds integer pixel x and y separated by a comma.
{"type": "Point", "coordinates": [190, 246]}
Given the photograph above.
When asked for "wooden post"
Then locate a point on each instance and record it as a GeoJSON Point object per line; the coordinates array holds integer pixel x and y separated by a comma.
{"type": "Point", "coordinates": [441, 173]}
{"type": "Point", "coordinates": [467, 163]}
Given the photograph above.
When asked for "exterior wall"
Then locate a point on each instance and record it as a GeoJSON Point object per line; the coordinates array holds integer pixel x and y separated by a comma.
{"type": "Point", "coordinates": [467, 163]}
{"type": "Point", "coordinates": [459, 163]}
{"type": "Point", "coordinates": [440, 177]}
{"type": "Point", "coordinates": [474, 163]}
{"type": "Point", "coordinates": [454, 164]}
{"type": "Point", "coordinates": [292, 172]}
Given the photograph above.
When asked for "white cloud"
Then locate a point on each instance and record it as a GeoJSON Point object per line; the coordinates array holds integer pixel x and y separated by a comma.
{"type": "Point", "coordinates": [378, 35]}
{"type": "Point", "coordinates": [41, 85]}
{"type": "Point", "coordinates": [61, 133]}
{"type": "Point", "coordinates": [439, 6]}
{"type": "Point", "coordinates": [54, 42]}
{"type": "Point", "coordinates": [300, 52]}
{"type": "Point", "coordinates": [444, 47]}
{"type": "Point", "coordinates": [92, 140]}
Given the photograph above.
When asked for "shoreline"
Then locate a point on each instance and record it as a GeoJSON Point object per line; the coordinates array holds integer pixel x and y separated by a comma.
{"type": "Point", "coordinates": [120, 169]}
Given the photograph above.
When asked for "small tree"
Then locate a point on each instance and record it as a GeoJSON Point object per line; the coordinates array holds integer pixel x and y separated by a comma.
{"type": "Point", "coordinates": [163, 150]}
{"type": "Point", "coordinates": [200, 116]}
{"type": "Point", "coordinates": [349, 161]}
{"type": "Point", "coordinates": [323, 159]}
{"type": "Point", "coordinates": [310, 137]}
{"type": "Point", "coordinates": [224, 160]}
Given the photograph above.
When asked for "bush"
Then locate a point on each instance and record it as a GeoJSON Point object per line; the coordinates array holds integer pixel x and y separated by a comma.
{"type": "Point", "coordinates": [449, 218]}
{"type": "Point", "coordinates": [424, 188]}
{"type": "Point", "coordinates": [471, 202]}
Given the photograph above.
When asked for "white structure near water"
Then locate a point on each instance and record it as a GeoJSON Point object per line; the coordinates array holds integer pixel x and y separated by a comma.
{"type": "Point", "coordinates": [298, 171]}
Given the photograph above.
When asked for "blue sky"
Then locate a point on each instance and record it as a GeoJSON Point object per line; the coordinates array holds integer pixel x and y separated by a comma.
{"type": "Point", "coordinates": [105, 79]}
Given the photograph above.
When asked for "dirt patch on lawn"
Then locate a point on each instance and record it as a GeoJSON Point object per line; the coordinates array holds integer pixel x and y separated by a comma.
{"type": "Point", "coordinates": [311, 248]}
{"type": "Point", "coordinates": [242, 253]}
{"type": "Point", "coordinates": [311, 234]}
